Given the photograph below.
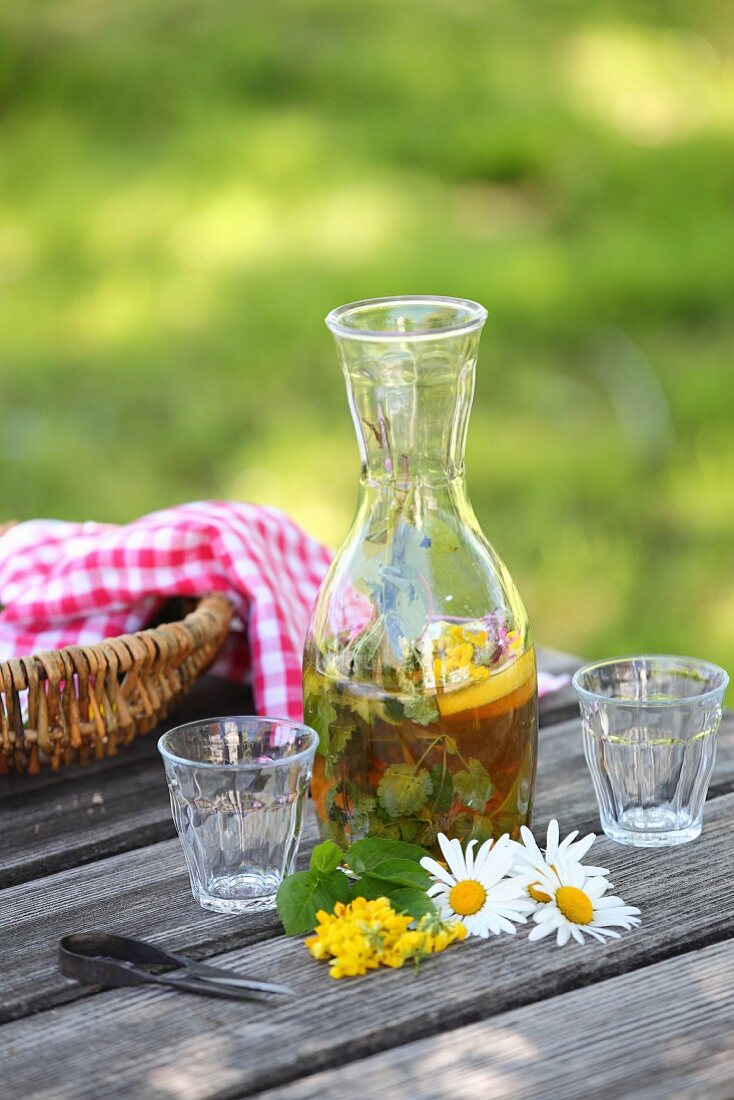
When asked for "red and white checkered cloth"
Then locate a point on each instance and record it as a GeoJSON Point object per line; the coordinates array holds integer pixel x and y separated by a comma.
{"type": "Point", "coordinates": [77, 583]}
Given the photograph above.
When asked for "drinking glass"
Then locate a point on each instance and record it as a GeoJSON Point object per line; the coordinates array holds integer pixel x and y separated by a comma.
{"type": "Point", "coordinates": [238, 788]}
{"type": "Point", "coordinates": [649, 729]}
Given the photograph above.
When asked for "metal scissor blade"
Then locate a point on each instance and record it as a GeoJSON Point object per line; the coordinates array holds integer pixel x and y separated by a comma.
{"type": "Point", "coordinates": [204, 986]}
{"type": "Point", "coordinates": [236, 981]}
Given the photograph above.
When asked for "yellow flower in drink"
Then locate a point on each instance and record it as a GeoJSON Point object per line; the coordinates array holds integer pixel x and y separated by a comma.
{"type": "Point", "coordinates": [456, 649]}
{"type": "Point", "coordinates": [473, 888]}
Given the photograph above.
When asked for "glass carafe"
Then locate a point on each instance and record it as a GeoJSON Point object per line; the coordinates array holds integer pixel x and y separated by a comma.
{"type": "Point", "coordinates": [419, 669]}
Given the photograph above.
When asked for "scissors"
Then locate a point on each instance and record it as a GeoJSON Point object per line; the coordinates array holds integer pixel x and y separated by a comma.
{"type": "Point", "coordinates": [99, 958]}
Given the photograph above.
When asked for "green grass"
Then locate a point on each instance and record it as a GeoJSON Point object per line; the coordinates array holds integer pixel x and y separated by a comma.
{"type": "Point", "coordinates": [187, 188]}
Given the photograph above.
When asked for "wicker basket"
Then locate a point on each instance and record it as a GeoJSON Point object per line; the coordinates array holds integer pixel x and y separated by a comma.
{"type": "Point", "coordinates": [69, 705]}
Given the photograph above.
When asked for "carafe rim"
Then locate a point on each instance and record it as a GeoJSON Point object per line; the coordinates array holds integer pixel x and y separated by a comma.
{"type": "Point", "coordinates": [470, 317]}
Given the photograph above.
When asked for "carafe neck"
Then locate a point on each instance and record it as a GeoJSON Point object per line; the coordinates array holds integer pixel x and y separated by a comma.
{"type": "Point", "coordinates": [409, 366]}
{"type": "Point", "coordinates": [412, 431]}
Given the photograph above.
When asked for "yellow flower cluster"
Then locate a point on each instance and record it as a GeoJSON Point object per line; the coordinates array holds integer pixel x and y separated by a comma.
{"type": "Point", "coordinates": [456, 647]}
{"type": "Point", "coordinates": [364, 934]}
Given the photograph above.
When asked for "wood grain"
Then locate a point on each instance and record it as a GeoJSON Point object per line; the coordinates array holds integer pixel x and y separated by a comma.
{"type": "Point", "coordinates": [658, 1033]}
{"type": "Point", "coordinates": [158, 1044]}
{"type": "Point", "coordinates": [52, 822]}
{"type": "Point", "coordinates": [145, 892]}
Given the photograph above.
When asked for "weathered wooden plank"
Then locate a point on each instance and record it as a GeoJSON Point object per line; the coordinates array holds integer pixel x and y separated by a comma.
{"type": "Point", "coordinates": [154, 1044]}
{"type": "Point", "coordinates": [145, 892]}
{"type": "Point", "coordinates": [564, 786]}
{"type": "Point", "coordinates": [84, 819]}
{"type": "Point", "coordinates": [663, 1031]}
{"type": "Point", "coordinates": [557, 661]}
{"type": "Point", "coordinates": [142, 893]}
{"type": "Point", "coordinates": [79, 815]}
{"type": "Point", "coordinates": [563, 704]}
{"type": "Point", "coordinates": [52, 822]}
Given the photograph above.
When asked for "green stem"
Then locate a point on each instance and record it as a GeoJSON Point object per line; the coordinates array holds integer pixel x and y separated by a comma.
{"type": "Point", "coordinates": [429, 749]}
{"type": "Point", "coordinates": [443, 777]}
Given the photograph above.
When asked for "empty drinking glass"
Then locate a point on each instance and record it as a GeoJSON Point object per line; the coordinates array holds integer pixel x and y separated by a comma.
{"type": "Point", "coordinates": [238, 788]}
{"type": "Point", "coordinates": [649, 729]}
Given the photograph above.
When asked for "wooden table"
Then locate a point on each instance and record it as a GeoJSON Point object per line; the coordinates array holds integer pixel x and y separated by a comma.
{"type": "Point", "coordinates": [650, 1015]}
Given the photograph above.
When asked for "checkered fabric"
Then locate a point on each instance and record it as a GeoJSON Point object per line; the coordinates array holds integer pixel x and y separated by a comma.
{"type": "Point", "coordinates": [78, 583]}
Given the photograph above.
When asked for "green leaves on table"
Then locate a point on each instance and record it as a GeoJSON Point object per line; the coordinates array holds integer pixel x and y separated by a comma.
{"type": "Point", "coordinates": [379, 868]}
{"type": "Point", "coordinates": [302, 894]}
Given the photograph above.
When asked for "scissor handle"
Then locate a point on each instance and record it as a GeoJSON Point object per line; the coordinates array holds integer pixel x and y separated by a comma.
{"type": "Point", "coordinates": [100, 958]}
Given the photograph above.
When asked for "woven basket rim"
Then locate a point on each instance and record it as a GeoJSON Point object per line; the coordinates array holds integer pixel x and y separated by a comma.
{"type": "Point", "coordinates": [85, 700]}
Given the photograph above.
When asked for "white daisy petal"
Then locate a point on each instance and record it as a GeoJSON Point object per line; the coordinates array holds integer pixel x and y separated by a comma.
{"type": "Point", "coordinates": [532, 853]}
{"type": "Point", "coordinates": [476, 927]}
{"type": "Point", "coordinates": [601, 932]}
{"type": "Point", "coordinates": [438, 890]}
{"type": "Point", "coordinates": [506, 926]}
{"type": "Point", "coordinates": [567, 843]}
{"type": "Point", "coordinates": [469, 858]}
{"type": "Point", "coordinates": [614, 902]}
{"type": "Point", "coordinates": [578, 850]}
{"type": "Point", "coordinates": [551, 844]}
{"type": "Point", "coordinates": [508, 889]}
{"type": "Point", "coordinates": [434, 868]}
{"type": "Point", "coordinates": [497, 863]}
{"type": "Point", "coordinates": [593, 934]}
{"type": "Point", "coordinates": [611, 917]}
{"type": "Point", "coordinates": [541, 931]}
{"type": "Point", "coordinates": [593, 871]}
{"type": "Point", "coordinates": [595, 887]}
{"type": "Point", "coordinates": [453, 856]}
{"type": "Point", "coordinates": [574, 874]}
{"type": "Point", "coordinates": [516, 848]}
{"type": "Point", "coordinates": [445, 845]}
{"type": "Point", "coordinates": [480, 858]}
{"type": "Point", "coordinates": [512, 914]}
{"type": "Point", "coordinates": [564, 934]}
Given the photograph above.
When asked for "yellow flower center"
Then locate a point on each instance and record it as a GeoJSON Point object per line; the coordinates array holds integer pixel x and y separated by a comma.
{"type": "Point", "coordinates": [537, 894]}
{"type": "Point", "coordinates": [575, 904]}
{"type": "Point", "coordinates": [467, 897]}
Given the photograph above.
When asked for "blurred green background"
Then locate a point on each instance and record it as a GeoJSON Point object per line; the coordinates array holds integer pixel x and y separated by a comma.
{"type": "Point", "coordinates": [188, 187]}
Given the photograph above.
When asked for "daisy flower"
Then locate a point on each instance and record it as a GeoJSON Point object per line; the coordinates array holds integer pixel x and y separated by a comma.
{"type": "Point", "coordinates": [531, 862]}
{"type": "Point", "coordinates": [578, 906]}
{"type": "Point", "coordinates": [473, 888]}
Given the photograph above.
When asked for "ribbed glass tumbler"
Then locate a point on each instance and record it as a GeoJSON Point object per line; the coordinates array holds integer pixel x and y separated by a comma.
{"type": "Point", "coordinates": [238, 789]}
{"type": "Point", "coordinates": [649, 729]}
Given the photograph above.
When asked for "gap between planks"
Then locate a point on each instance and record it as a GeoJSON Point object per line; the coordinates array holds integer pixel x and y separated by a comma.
{"type": "Point", "coordinates": [146, 893]}
{"type": "Point", "coordinates": [652, 1034]}
{"type": "Point", "coordinates": [82, 815]}
{"type": "Point", "coordinates": [141, 1042]}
